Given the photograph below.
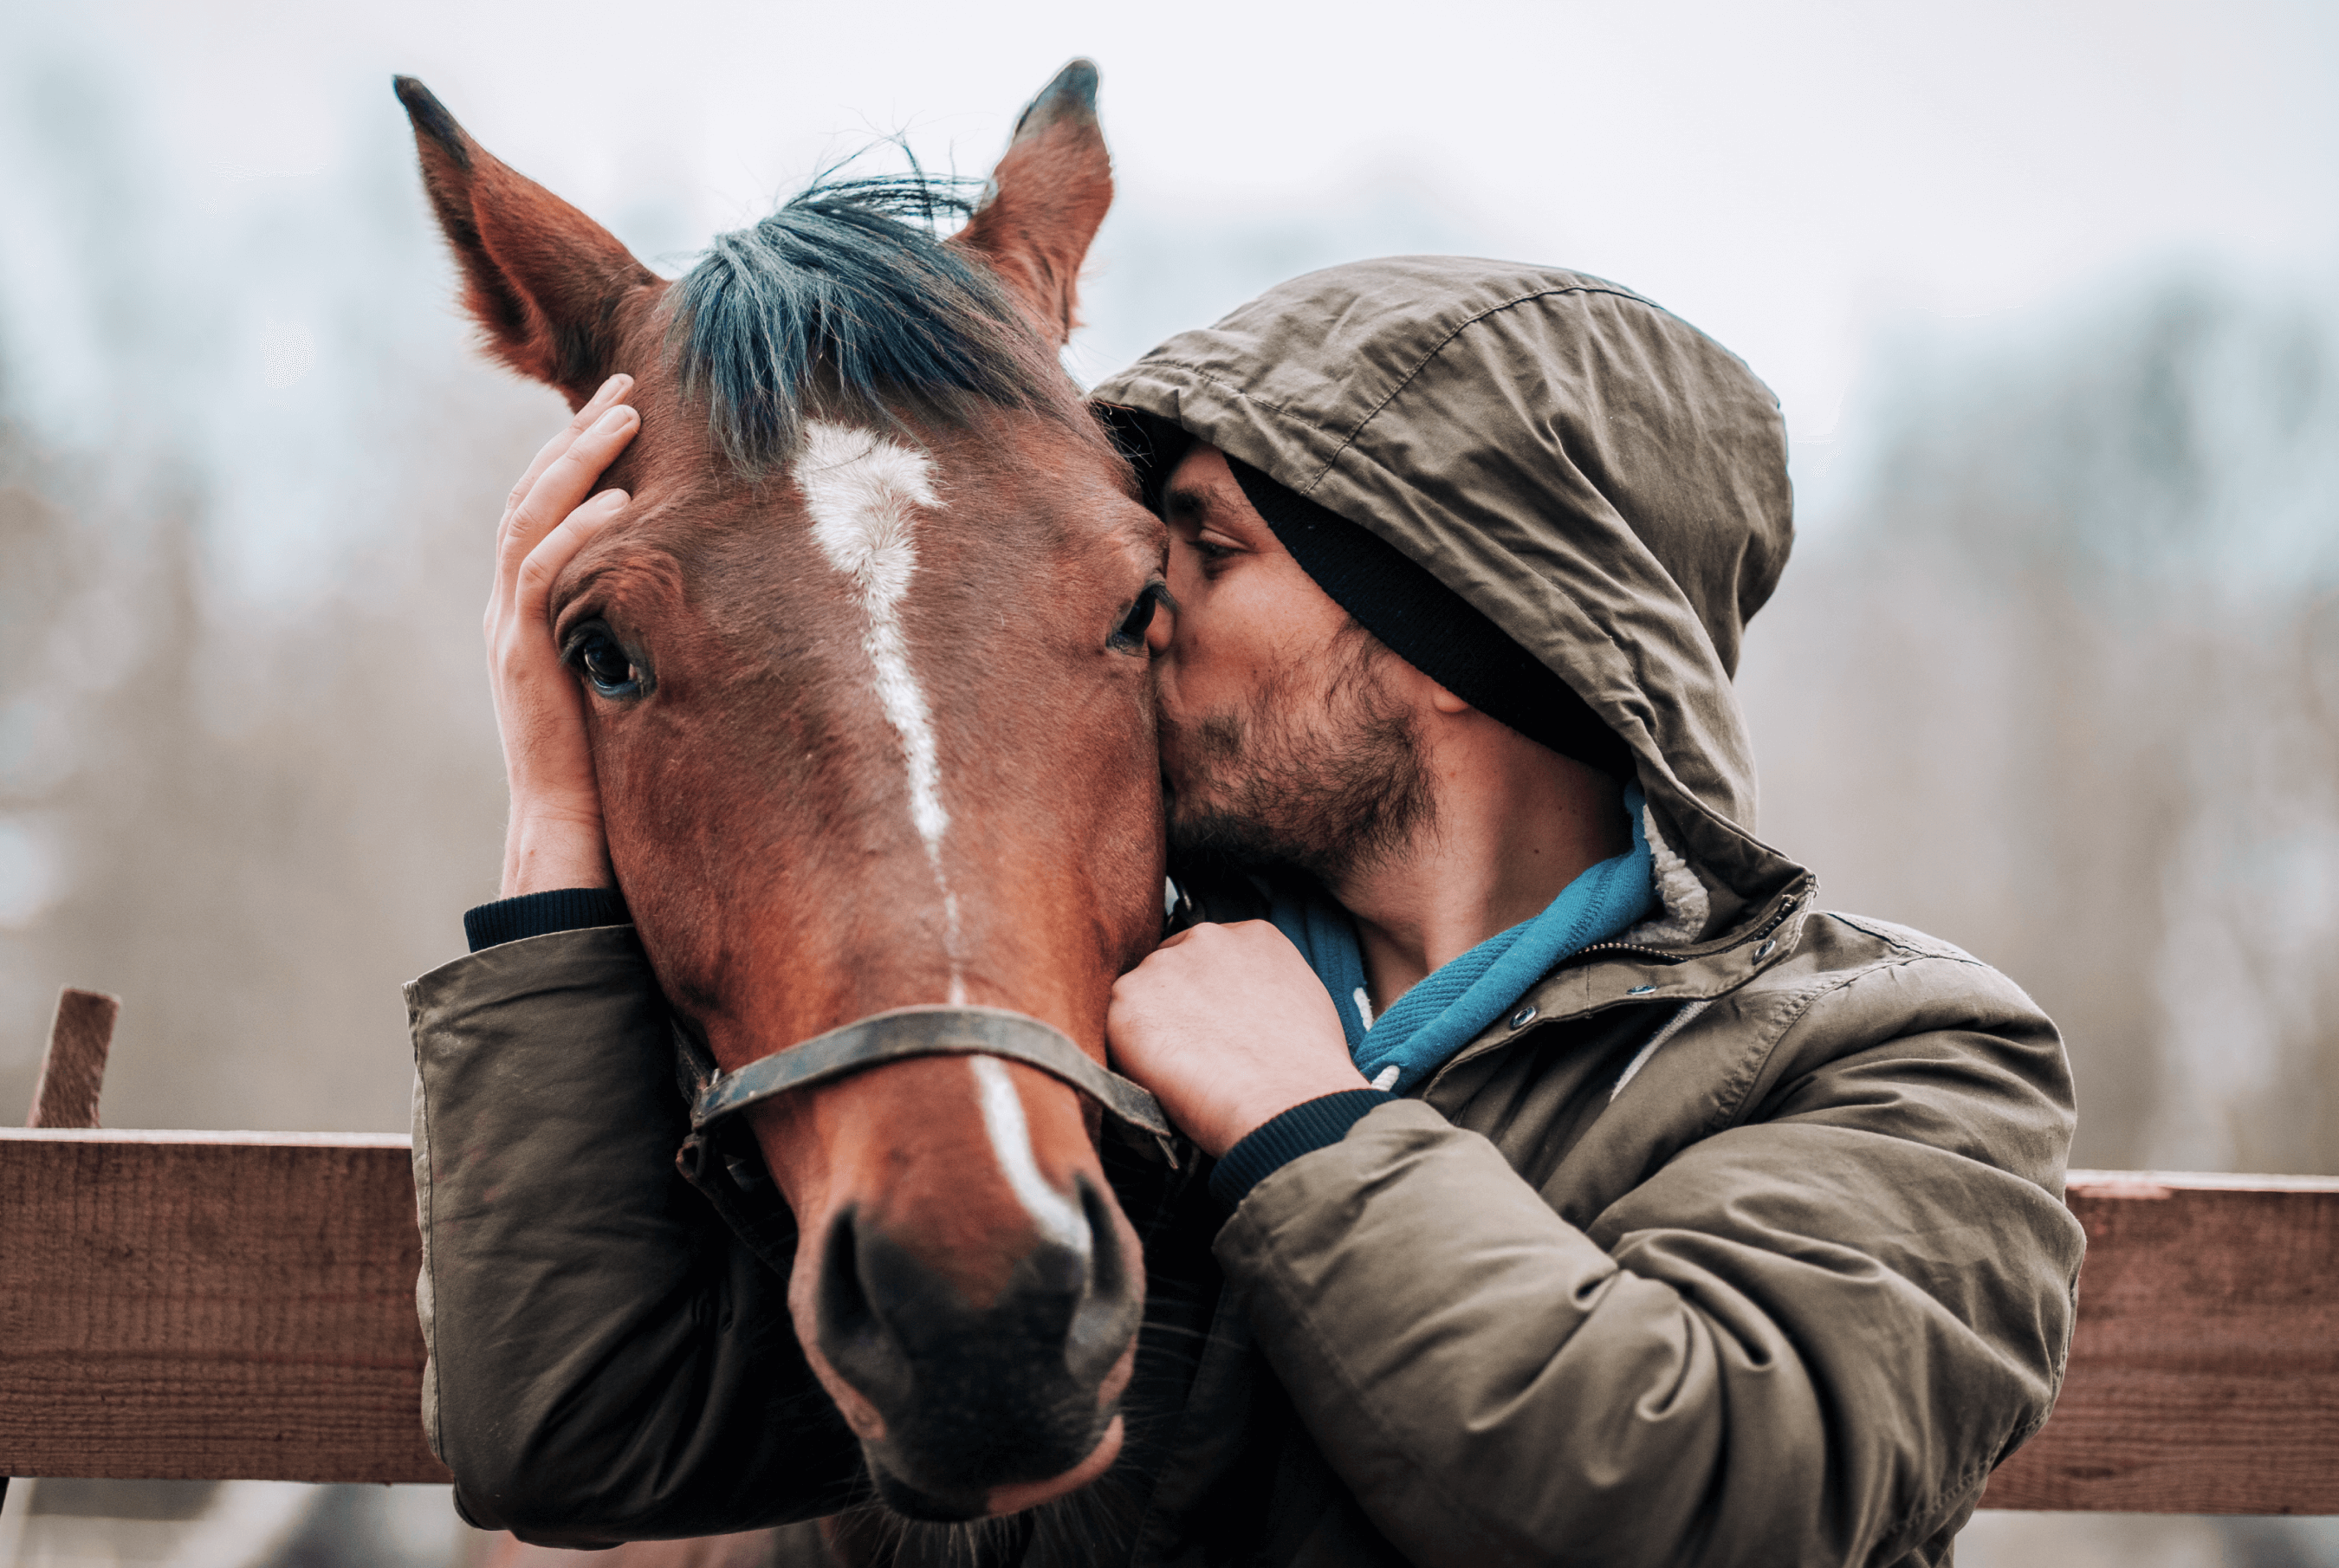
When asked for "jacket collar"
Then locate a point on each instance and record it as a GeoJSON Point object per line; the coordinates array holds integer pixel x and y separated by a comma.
{"type": "Point", "coordinates": [1627, 973]}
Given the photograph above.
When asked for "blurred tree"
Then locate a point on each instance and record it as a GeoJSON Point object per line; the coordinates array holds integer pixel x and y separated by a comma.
{"type": "Point", "coordinates": [2053, 679]}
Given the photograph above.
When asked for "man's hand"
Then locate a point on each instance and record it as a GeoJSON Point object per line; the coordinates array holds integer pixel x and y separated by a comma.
{"type": "Point", "coordinates": [555, 838]}
{"type": "Point", "coordinates": [1229, 1028]}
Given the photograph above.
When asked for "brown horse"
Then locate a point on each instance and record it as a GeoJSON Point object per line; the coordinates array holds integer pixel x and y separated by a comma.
{"type": "Point", "coordinates": [869, 706]}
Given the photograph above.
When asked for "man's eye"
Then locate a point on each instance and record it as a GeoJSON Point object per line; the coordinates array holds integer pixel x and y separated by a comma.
{"type": "Point", "coordinates": [606, 666]}
{"type": "Point", "coordinates": [1214, 547]}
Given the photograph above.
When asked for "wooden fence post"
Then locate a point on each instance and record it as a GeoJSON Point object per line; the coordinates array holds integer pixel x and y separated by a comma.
{"type": "Point", "coordinates": [73, 1071]}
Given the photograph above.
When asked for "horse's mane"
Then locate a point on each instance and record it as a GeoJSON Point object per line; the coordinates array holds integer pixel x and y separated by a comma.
{"type": "Point", "coordinates": [847, 303]}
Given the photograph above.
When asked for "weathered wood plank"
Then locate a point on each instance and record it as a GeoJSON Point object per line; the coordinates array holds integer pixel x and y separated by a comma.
{"type": "Point", "coordinates": [240, 1306]}
{"type": "Point", "coordinates": [221, 1305]}
{"type": "Point", "coordinates": [2205, 1367]}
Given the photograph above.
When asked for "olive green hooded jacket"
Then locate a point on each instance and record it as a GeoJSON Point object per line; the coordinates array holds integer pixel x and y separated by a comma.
{"type": "Point", "coordinates": [1738, 1240]}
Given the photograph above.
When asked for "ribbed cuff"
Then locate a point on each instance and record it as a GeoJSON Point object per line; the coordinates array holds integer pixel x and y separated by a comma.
{"type": "Point", "coordinates": [542, 913]}
{"type": "Point", "coordinates": [1304, 1129]}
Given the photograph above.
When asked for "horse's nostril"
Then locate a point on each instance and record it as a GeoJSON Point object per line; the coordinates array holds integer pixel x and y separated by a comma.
{"type": "Point", "coordinates": [1107, 1270]}
{"type": "Point", "coordinates": [1109, 1309]}
{"type": "Point", "coordinates": [852, 1333]}
{"type": "Point", "coordinates": [1054, 1270]}
{"type": "Point", "coordinates": [978, 1393]}
{"type": "Point", "coordinates": [843, 1305]}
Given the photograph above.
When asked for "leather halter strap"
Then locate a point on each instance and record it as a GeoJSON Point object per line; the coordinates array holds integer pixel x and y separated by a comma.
{"type": "Point", "coordinates": [908, 1032]}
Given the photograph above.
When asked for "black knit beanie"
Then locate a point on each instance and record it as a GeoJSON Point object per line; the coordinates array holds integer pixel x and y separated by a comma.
{"type": "Point", "coordinates": [1431, 628]}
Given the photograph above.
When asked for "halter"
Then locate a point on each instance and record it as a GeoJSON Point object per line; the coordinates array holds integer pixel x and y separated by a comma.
{"type": "Point", "coordinates": [903, 1032]}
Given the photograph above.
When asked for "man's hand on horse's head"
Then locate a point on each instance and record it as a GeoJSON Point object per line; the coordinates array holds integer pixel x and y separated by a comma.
{"type": "Point", "coordinates": [555, 838]}
{"type": "Point", "coordinates": [1229, 1028]}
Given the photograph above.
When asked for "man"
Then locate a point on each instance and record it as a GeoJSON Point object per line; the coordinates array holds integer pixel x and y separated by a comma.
{"type": "Point", "coordinates": [1582, 1193]}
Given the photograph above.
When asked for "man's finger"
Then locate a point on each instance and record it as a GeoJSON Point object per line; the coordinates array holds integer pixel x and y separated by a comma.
{"type": "Point", "coordinates": [558, 547]}
{"type": "Point", "coordinates": [611, 391]}
{"type": "Point", "coordinates": [568, 480]}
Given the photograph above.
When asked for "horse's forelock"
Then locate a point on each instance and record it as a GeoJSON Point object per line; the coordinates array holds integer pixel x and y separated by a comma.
{"type": "Point", "coordinates": [838, 307]}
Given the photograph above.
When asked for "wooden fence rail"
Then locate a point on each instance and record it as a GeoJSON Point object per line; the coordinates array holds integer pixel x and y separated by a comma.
{"type": "Point", "coordinates": [2204, 1370]}
{"type": "Point", "coordinates": [230, 1306]}
{"type": "Point", "coordinates": [240, 1306]}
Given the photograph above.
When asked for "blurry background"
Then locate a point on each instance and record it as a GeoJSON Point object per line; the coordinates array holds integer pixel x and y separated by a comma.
{"type": "Point", "coordinates": [2049, 293]}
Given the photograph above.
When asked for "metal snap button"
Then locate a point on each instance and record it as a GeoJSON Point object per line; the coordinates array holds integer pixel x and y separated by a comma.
{"type": "Point", "coordinates": [1765, 950]}
{"type": "Point", "coordinates": [1524, 1017]}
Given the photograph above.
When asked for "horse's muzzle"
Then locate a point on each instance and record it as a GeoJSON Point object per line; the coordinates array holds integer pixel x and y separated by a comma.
{"type": "Point", "coordinates": [977, 1398]}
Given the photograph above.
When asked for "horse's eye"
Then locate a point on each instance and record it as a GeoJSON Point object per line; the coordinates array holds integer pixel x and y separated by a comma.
{"type": "Point", "coordinates": [606, 666]}
{"type": "Point", "coordinates": [1129, 638]}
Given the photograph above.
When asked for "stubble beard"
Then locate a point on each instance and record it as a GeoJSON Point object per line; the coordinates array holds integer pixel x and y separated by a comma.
{"type": "Point", "coordinates": [1333, 793]}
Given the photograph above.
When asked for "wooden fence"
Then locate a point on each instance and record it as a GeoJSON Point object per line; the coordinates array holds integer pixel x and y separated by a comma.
{"type": "Point", "coordinates": [240, 1306]}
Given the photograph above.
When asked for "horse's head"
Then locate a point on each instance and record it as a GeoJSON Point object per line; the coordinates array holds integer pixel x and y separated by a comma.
{"type": "Point", "coordinates": [866, 673]}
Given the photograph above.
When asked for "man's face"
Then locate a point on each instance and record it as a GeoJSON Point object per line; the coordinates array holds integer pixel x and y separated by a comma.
{"type": "Point", "coordinates": [1287, 729]}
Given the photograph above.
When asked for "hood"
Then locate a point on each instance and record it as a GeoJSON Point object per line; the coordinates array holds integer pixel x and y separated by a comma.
{"type": "Point", "coordinates": [1601, 480]}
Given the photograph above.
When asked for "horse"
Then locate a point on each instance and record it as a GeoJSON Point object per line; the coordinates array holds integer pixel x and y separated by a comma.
{"type": "Point", "coordinates": [870, 706]}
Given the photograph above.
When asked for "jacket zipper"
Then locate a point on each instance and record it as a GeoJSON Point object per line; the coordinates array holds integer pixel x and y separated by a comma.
{"type": "Point", "coordinates": [1659, 955]}
{"type": "Point", "coordinates": [1787, 906]}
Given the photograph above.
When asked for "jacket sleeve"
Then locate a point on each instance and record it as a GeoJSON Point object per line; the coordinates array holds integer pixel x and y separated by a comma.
{"type": "Point", "coordinates": [1806, 1337]}
{"type": "Point", "coordinates": [607, 1362]}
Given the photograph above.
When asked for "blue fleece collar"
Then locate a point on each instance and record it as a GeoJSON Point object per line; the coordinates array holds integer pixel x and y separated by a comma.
{"type": "Point", "coordinates": [1449, 1009]}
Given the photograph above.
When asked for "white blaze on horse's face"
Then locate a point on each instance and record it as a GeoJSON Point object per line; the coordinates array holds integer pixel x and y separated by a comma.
{"type": "Point", "coordinates": [1058, 1218]}
{"type": "Point", "coordinates": [864, 493]}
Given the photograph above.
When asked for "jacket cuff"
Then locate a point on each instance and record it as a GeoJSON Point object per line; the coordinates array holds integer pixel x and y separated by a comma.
{"type": "Point", "coordinates": [542, 913]}
{"type": "Point", "coordinates": [1306, 1128]}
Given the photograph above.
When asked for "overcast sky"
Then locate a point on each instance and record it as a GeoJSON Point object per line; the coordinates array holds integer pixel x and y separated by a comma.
{"type": "Point", "coordinates": [1786, 175]}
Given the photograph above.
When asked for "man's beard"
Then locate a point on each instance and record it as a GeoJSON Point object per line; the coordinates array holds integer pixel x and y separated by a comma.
{"type": "Point", "coordinates": [1332, 794]}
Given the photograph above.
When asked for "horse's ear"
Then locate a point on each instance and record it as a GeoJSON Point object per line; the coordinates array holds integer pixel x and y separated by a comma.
{"type": "Point", "coordinates": [545, 282]}
{"type": "Point", "coordinates": [1048, 195]}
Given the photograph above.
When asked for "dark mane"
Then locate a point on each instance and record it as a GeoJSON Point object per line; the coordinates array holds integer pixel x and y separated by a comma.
{"type": "Point", "coordinates": [845, 303]}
